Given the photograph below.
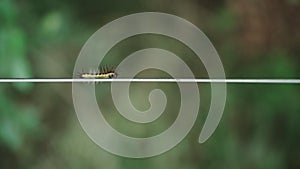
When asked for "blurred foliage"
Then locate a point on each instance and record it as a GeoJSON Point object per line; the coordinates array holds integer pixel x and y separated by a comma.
{"type": "Point", "coordinates": [19, 121]}
{"type": "Point", "coordinates": [255, 39]}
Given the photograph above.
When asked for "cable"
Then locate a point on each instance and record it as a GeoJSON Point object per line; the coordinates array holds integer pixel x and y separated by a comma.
{"type": "Point", "coordinates": [20, 80]}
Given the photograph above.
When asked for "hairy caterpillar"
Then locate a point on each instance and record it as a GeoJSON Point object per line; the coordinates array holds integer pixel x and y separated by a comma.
{"type": "Point", "coordinates": [102, 73]}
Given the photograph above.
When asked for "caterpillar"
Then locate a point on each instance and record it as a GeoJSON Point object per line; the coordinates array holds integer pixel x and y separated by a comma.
{"type": "Point", "coordinates": [102, 73]}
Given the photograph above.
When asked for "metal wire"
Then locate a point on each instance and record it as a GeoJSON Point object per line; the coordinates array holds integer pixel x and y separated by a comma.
{"type": "Point", "coordinates": [20, 80]}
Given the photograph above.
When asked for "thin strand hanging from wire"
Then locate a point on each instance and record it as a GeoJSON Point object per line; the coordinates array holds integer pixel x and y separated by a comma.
{"type": "Point", "coordinates": [20, 80]}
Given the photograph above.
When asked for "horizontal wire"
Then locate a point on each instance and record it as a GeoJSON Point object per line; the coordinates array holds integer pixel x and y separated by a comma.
{"type": "Point", "coordinates": [20, 80]}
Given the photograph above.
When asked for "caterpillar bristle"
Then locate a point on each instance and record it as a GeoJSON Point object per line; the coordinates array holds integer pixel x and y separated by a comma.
{"type": "Point", "coordinates": [103, 72]}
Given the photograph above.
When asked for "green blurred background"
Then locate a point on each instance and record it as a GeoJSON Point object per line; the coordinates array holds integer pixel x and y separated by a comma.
{"type": "Point", "coordinates": [260, 127]}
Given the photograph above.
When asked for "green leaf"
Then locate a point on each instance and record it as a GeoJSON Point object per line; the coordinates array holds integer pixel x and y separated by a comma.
{"type": "Point", "coordinates": [19, 66]}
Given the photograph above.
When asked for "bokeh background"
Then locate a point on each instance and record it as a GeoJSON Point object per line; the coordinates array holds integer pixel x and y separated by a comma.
{"type": "Point", "coordinates": [260, 127]}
